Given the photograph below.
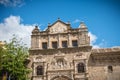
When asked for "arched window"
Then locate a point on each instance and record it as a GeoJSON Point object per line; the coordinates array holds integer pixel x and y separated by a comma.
{"type": "Point", "coordinates": [110, 69]}
{"type": "Point", "coordinates": [81, 67]}
{"type": "Point", "coordinates": [39, 70]}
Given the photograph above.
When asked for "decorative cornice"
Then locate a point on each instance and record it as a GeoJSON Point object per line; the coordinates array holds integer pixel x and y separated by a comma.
{"type": "Point", "coordinates": [60, 70]}
{"type": "Point", "coordinates": [63, 50]}
{"type": "Point", "coordinates": [105, 50]}
{"type": "Point", "coordinates": [104, 56]}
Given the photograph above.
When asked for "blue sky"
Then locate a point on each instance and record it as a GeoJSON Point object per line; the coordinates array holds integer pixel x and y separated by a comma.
{"type": "Point", "coordinates": [102, 17]}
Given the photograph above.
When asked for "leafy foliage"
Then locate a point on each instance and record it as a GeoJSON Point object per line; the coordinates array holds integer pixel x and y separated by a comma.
{"type": "Point", "coordinates": [13, 59]}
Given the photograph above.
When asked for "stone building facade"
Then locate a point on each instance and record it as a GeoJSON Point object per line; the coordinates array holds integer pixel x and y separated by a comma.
{"type": "Point", "coordinates": [64, 53]}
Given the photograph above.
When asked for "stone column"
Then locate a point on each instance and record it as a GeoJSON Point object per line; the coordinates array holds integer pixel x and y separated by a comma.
{"type": "Point", "coordinates": [49, 43]}
{"type": "Point", "coordinates": [32, 42]}
{"type": "Point", "coordinates": [82, 39]}
{"type": "Point", "coordinates": [59, 42]}
{"type": "Point", "coordinates": [34, 71]}
{"type": "Point", "coordinates": [87, 40]}
{"type": "Point", "coordinates": [69, 40]}
{"type": "Point", "coordinates": [79, 40]}
{"type": "Point", "coordinates": [37, 42]}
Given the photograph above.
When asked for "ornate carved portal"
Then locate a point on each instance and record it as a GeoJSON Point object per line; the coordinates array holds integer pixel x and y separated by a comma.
{"type": "Point", "coordinates": [61, 78]}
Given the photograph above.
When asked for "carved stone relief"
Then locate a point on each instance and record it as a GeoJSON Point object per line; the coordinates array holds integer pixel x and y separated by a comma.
{"type": "Point", "coordinates": [58, 28]}
{"type": "Point", "coordinates": [39, 59]}
{"type": "Point", "coordinates": [59, 62]}
{"type": "Point", "coordinates": [80, 56]}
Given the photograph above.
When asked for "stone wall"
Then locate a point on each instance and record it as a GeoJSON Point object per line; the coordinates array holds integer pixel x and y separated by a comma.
{"type": "Point", "coordinates": [62, 63]}
{"type": "Point", "coordinates": [101, 73]}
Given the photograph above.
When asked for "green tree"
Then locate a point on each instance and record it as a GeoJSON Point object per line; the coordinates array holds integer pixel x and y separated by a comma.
{"type": "Point", "coordinates": [1, 54]}
{"type": "Point", "coordinates": [13, 60]}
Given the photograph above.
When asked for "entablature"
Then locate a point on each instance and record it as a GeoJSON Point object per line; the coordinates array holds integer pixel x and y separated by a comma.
{"type": "Point", "coordinates": [62, 50]}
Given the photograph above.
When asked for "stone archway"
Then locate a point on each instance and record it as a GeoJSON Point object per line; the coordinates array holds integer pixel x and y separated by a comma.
{"type": "Point", "coordinates": [61, 78]}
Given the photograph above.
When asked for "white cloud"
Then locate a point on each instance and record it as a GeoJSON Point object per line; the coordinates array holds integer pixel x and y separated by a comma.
{"type": "Point", "coordinates": [12, 25]}
{"type": "Point", "coordinates": [95, 46]}
{"type": "Point", "coordinates": [76, 21]}
{"type": "Point", "coordinates": [93, 38]}
{"type": "Point", "coordinates": [12, 3]}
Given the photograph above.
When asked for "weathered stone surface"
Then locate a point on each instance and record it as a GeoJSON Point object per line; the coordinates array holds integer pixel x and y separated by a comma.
{"type": "Point", "coordinates": [62, 63]}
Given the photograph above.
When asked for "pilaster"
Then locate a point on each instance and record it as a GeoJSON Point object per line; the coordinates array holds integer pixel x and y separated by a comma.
{"type": "Point", "coordinates": [49, 43]}
{"type": "Point", "coordinates": [59, 41]}
{"type": "Point", "coordinates": [69, 40]}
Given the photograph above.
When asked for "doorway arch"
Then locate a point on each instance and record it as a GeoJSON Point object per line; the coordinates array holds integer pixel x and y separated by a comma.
{"type": "Point", "coordinates": [61, 78]}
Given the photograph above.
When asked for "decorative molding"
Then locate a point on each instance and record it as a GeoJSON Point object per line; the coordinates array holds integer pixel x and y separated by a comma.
{"type": "Point", "coordinates": [105, 50]}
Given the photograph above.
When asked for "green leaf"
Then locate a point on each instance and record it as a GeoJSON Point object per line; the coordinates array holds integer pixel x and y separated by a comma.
{"type": "Point", "coordinates": [12, 59]}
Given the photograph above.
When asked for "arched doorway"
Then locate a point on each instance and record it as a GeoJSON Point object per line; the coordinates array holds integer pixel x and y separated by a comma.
{"type": "Point", "coordinates": [61, 78]}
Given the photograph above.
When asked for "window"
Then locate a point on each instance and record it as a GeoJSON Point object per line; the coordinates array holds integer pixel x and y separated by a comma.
{"type": "Point", "coordinates": [39, 70]}
{"type": "Point", "coordinates": [110, 69]}
{"type": "Point", "coordinates": [74, 43]}
{"type": "Point", "coordinates": [54, 45]}
{"type": "Point", "coordinates": [81, 67]}
{"type": "Point", "coordinates": [64, 44]}
{"type": "Point", "coordinates": [44, 45]}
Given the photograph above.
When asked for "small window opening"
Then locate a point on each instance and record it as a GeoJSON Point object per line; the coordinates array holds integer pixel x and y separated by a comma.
{"type": "Point", "coordinates": [81, 67]}
{"type": "Point", "coordinates": [39, 70]}
{"type": "Point", "coordinates": [54, 45]}
{"type": "Point", "coordinates": [110, 69]}
{"type": "Point", "coordinates": [74, 43]}
{"type": "Point", "coordinates": [64, 44]}
{"type": "Point", "coordinates": [44, 45]}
